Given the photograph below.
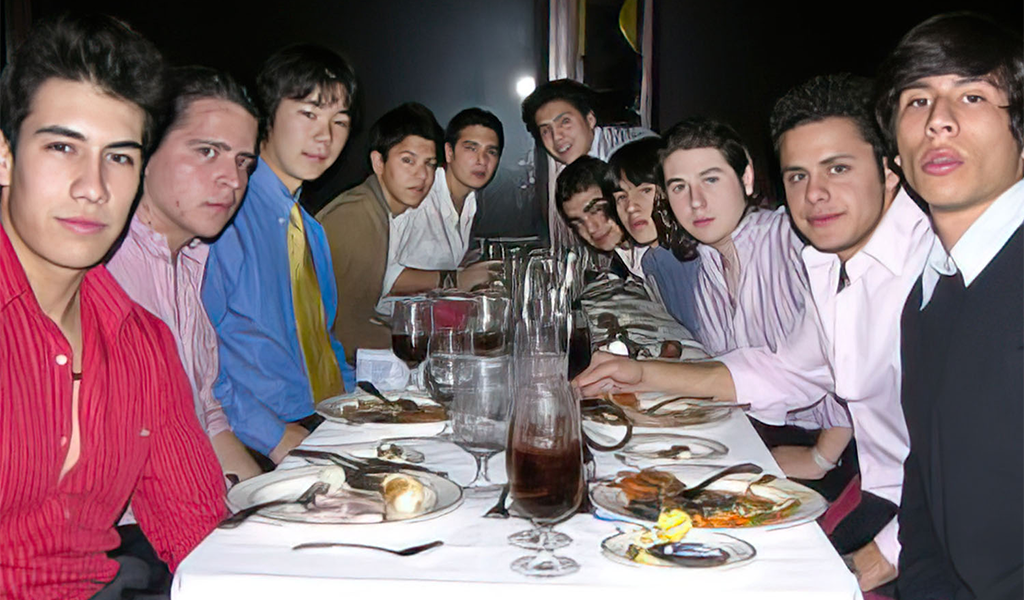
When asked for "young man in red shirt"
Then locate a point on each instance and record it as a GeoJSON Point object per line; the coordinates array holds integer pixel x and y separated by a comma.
{"type": "Point", "coordinates": [95, 408]}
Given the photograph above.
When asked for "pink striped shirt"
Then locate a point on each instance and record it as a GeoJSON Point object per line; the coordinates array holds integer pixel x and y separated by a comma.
{"type": "Point", "coordinates": [139, 441]}
{"type": "Point", "coordinates": [772, 298]}
{"type": "Point", "coordinates": [144, 268]}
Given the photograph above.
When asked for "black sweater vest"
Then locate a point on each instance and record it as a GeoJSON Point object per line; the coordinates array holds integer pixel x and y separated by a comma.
{"type": "Point", "coordinates": [962, 515]}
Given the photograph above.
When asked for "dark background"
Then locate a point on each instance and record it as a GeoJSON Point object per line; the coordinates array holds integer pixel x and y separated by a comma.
{"type": "Point", "coordinates": [726, 59]}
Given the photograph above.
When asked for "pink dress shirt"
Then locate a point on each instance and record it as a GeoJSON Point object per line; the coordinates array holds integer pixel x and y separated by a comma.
{"type": "Point", "coordinates": [852, 349]}
{"type": "Point", "coordinates": [143, 267]}
{"type": "Point", "coordinates": [770, 302]}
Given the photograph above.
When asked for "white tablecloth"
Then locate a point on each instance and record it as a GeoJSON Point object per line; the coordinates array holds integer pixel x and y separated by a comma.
{"type": "Point", "coordinates": [256, 561]}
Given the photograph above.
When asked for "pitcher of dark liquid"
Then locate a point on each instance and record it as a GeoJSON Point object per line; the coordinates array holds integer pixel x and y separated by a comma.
{"type": "Point", "coordinates": [544, 460]}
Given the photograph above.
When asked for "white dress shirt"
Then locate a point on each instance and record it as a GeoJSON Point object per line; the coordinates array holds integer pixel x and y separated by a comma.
{"type": "Point", "coordinates": [432, 236]}
{"type": "Point", "coordinates": [978, 245]}
{"type": "Point", "coordinates": [852, 349]}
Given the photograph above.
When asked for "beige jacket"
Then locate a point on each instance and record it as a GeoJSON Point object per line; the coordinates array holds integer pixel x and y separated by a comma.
{"type": "Point", "coordinates": [356, 224]}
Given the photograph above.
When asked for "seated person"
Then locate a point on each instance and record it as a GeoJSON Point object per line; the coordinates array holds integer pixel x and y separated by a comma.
{"type": "Point", "coordinates": [584, 196]}
{"type": "Point", "coordinates": [194, 183]}
{"type": "Point", "coordinates": [95, 408]}
{"type": "Point", "coordinates": [560, 116]}
{"type": "Point", "coordinates": [433, 238]}
{"type": "Point", "coordinates": [868, 246]}
{"type": "Point", "coordinates": [671, 281]}
{"type": "Point", "coordinates": [269, 288]}
{"type": "Point", "coordinates": [405, 145]}
{"type": "Point", "coordinates": [752, 289]}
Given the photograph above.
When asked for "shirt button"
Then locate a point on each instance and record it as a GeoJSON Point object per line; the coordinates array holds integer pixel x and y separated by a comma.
{"type": "Point", "coordinates": [62, 360]}
{"type": "Point", "coordinates": [282, 220]}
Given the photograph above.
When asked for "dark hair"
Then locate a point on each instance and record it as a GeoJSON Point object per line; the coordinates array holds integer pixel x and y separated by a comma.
{"type": "Point", "coordinates": [411, 118]}
{"type": "Point", "coordinates": [191, 83]}
{"type": "Point", "coordinates": [575, 93]}
{"type": "Point", "coordinates": [690, 134]}
{"type": "Point", "coordinates": [96, 49]}
{"type": "Point", "coordinates": [638, 161]}
{"type": "Point", "coordinates": [297, 71]}
{"type": "Point", "coordinates": [965, 44]}
{"type": "Point", "coordinates": [841, 95]}
{"type": "Point", "coordinates": [470, 117]}
{"type": "Point", "coordinates": [582, 174]}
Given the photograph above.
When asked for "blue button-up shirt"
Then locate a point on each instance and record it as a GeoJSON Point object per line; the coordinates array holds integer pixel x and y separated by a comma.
{"type": "Point", "coordinates": [262, 382]}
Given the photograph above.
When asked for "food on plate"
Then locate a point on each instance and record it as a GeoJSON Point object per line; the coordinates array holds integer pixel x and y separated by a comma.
{"type": "Point", "coordinates": [404, 496]}
{"type": "Point", "coordinates": [392, 451]}
{"type": "Point", "coordinates": [626, 400]}
{"type": "Point", "coordinates": [403, 410]}
{"type": "Point", "coordinates": [650, 492]}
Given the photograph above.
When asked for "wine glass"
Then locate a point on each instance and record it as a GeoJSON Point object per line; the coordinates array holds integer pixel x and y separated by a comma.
{"type": "Point", "coordinates": [579, 344]}
{"type": "Point", "coordinates": [489, 324]}
{"type": "Point", "coordinates": [411, 324]}
{"type": "Point", "coordinates": [544, 461]}
{"type": "Point", "coordinates": [449, 340]}
{"type": "Point", "coordinates": [480, 412]}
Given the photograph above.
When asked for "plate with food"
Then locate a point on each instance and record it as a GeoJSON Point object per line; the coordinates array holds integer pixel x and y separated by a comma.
{"type": "Point", "coordinates": [673, 542]}
{"type": "Point", "coordinates": [680, 412]}
{"type": "Point", "coordinates": [401, 408]}
{"type": "Point", "coordinates": [652, 449]}
{"type": "Point", "coordinates": [735, 501]}
{"type": "Point", "coordinates": [401, 495]}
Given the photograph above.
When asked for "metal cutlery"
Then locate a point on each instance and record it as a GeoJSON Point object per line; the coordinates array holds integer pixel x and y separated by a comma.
{"type": "Point", "coordinates": [305, 500]}
{"type": "Point", "coordinates": [499, 510]}
{"type": "Point", "coordinates": [693, 491]}
{"type": "Point", "coordinates": [701, 402]}
{"type": "Point", "coordinates": [410, 551]}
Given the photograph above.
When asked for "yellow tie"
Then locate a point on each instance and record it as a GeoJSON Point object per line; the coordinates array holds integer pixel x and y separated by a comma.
{"type": "Point", "coordinates": [321, 363]}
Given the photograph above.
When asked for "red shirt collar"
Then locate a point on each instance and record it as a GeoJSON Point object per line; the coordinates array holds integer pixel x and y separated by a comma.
{"type": "Point", "coordinates": [98, 287]}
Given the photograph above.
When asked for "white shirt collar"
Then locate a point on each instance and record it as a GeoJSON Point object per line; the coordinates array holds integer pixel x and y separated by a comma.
{"type": "Point", "coordinates": [978, 245]}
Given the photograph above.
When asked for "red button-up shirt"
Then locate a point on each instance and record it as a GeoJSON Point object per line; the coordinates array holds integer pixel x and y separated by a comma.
{"type": "Point", "coordinates": [140, 440]}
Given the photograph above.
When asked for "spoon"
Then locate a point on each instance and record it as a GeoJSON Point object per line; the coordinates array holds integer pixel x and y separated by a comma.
{"type": "Point", "coordinates": [371, 389]}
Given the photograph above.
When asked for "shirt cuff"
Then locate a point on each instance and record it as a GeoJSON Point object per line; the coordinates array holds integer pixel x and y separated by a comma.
{"type": "Point", "coordinates": [888, 543]}
{"type": "Point", "coordinates": [750, 388]}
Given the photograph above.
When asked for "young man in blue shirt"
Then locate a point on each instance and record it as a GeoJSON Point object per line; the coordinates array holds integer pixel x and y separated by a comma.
{"type": "Point", "coordinates": [270, 289]}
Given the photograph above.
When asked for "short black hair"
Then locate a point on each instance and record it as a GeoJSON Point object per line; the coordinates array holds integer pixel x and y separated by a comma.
{"type": "Point", "coordinates": [96, 49]}
{"type": "Point", "coordinates": [470, 117]}
{"type": "Point", "coordinates": [297, 71]}
{"type": "Point", "coordinates": [690, 134]}
{"type": "Point", "coordinates": [411, 118]}
{"type": "Point", "coordinates": [825, 96]}
{"type": "Point", "coordinates": [582, 174]}
{"type": "Point", "coordinates": [962, 43]}
{"type": "Point", "coordinates": [580, 96]}
{"type": "Point", "coordinates": [191, 83]}
{"type": "Point", "coordinates": [638, 161]}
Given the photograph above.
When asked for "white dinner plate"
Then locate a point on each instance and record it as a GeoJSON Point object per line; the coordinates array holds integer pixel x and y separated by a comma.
{"type": "Point", "coordinates": [646, 449]}
{"type": "Point", "coordinates": [737, 551]}
{"type": "Point", "coordinates": [812, 505]}
{"type": "Point", "coordinates": [332, 409]}
{"type": "Point", "coordinates": [289, 484]}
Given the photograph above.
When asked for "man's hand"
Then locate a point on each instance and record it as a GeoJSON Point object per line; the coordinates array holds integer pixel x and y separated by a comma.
{"type": "Point", "coordinates": [610, 373]}
{"type": "Point", "coordinates": [481, 273]}
{"type": "Point", "coordinates": [797, 462]}
{"type": "Point", "coordinates": [293, 436]}
{"type": "Point", "coordinates": [234, 457]}
{"type": "Point", "coordinates": [871, 568]}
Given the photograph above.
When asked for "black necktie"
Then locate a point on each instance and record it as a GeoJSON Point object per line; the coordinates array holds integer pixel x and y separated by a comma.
{"type": "Point", "coordinates": [844, 279]}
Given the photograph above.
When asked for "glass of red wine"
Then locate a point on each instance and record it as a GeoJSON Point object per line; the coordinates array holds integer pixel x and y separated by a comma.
{"type": "Point", "coordinates": [410, 330]}
{"type": "Point", "coordinates": [544, 461]}
{"type": "Point", "coordinates": [579, 344]}
{"type": "Point", "coordinates": [488, 325]}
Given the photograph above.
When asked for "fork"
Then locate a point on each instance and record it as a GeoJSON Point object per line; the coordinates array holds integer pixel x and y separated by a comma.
{"type": "Point", "coordinates": [704, 401]}
{"type": "Point", "coordinates": [410, 551]}
{"type": "Point", "coordinates": [305, 500]}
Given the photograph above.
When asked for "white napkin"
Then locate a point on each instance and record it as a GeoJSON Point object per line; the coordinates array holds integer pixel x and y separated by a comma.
{"type": "Point", "coordinates": [381, 368]}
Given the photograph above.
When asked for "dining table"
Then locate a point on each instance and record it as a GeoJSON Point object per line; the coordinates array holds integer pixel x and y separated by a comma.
{"type": "Point", "coordinates": [257, 560]}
